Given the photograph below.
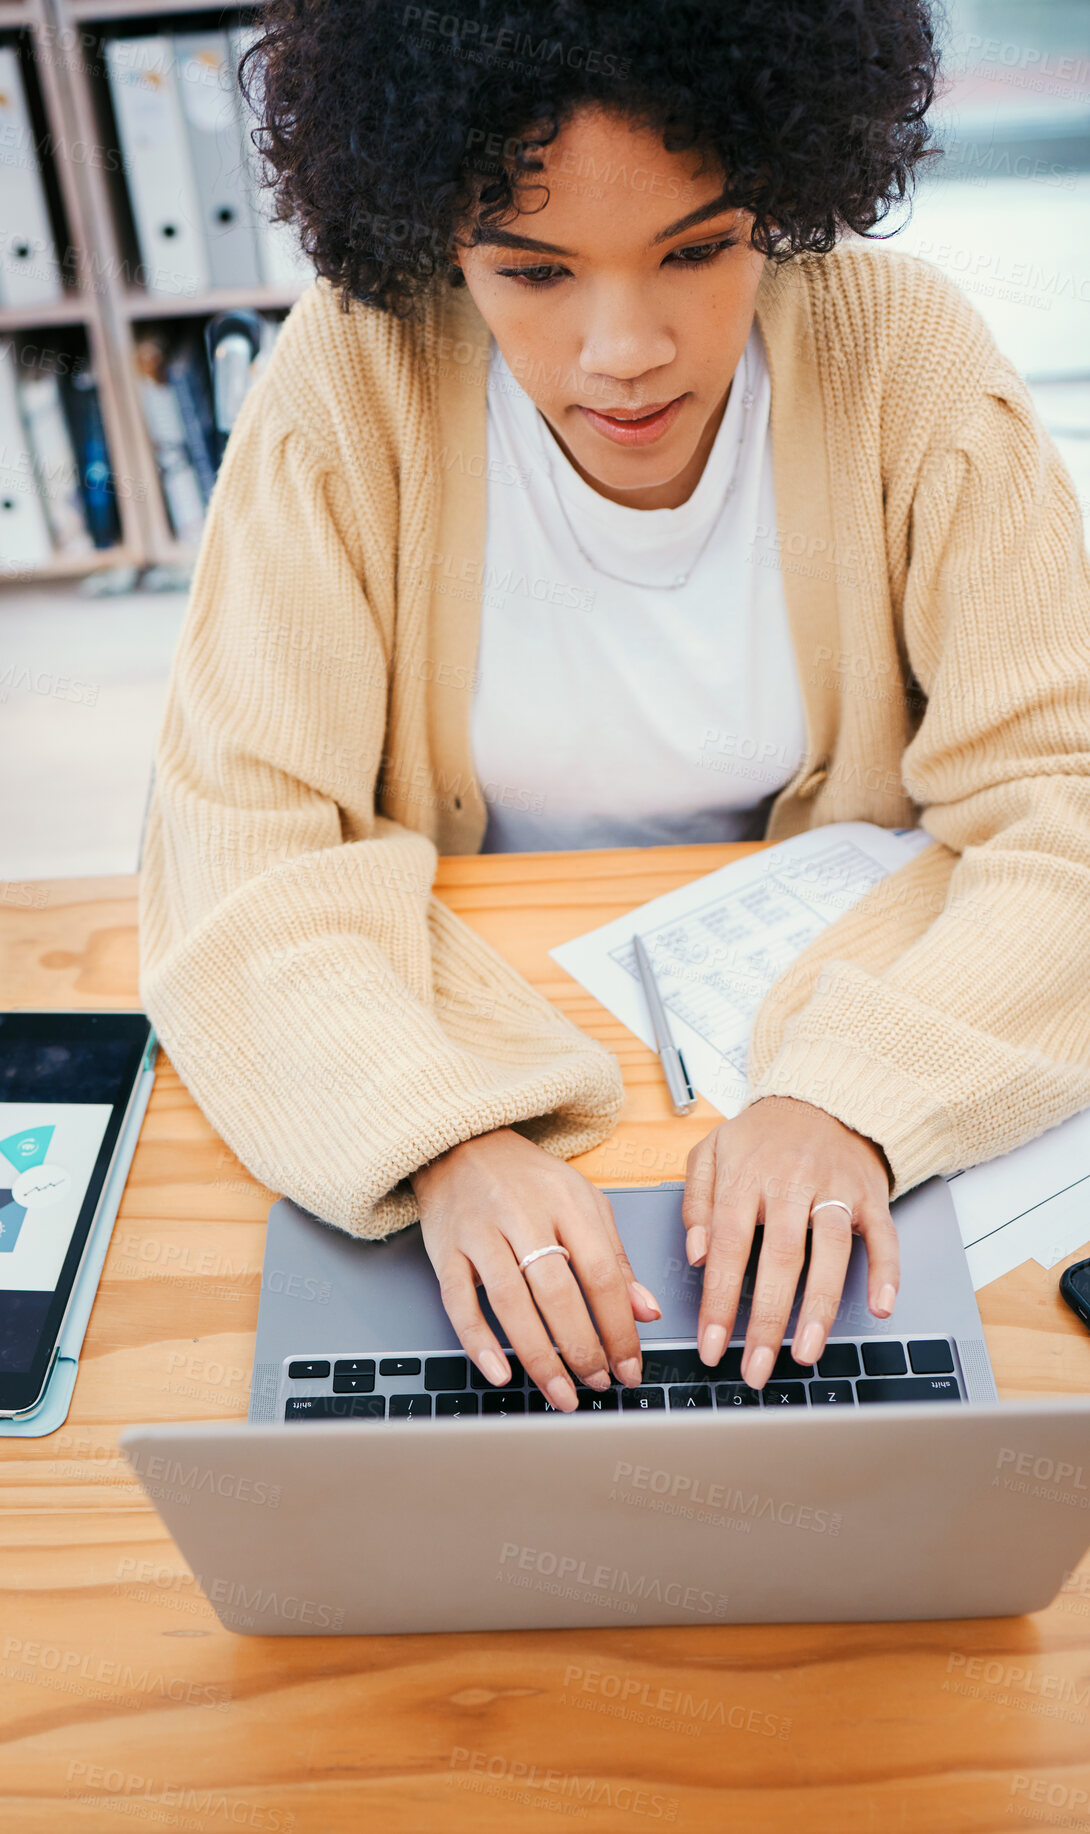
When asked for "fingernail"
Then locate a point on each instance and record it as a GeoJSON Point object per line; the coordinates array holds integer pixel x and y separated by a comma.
{"type": "Point", "coordinates": [640, 1293]}
{"type": "Point", "coordinates": [808, 1348]}
{"type": "Point", "coordinates": [630, 1370]}
{"type": "Point", "coordinates": [759, 1367]}
{"type": "Point", "coordinates": [561, 1393]}
{"type": "Point", "coordinates": [493, 1366]}
{"type": "Point", "coordinates": [712, 1344]}
{"type": "Point", "coordinates": [600, 1379]}
{"type": "Point", "coordinates": [696, 1244]}
{"type": "Point", "coordinates": [887, 1298]}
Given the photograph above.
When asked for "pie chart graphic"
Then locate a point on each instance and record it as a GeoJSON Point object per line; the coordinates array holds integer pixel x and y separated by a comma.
{"type": "Point", "coordinates": [34, 1182]}
{"type": "Point", "coordinates": [27, 1148]}
{"type": "Point", "coordinates": [11, 1221]}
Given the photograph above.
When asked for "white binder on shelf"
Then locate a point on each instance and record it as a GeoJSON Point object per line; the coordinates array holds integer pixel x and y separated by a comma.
{"type": "Point", "coordinates": [29, 270]}
{"type": "Point", "coordinates": [24, 531]}
{"type": "Point", "coordinates": [54, 461]}
{"type": "Point", "coordinates": [158, 167]}
{"type": "Point", "coordinates": [283, 263]}
{"type": "Point", "coordinates": [205, 78]}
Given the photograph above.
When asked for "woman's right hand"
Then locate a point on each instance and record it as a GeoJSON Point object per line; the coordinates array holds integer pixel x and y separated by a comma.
{"type": "Point", "coordinates": [484, 1205]}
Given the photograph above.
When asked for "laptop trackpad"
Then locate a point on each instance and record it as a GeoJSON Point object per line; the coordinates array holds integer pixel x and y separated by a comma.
{"type": "Point", "coordinates": [323, 1290]}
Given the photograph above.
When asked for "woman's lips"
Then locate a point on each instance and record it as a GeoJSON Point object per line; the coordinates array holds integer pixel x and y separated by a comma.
{"type": "Point", "coordinates": [642, 432]}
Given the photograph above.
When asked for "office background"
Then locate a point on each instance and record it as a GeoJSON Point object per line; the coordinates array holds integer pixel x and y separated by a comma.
{"type": "Point", "coordinates": [106, 449]}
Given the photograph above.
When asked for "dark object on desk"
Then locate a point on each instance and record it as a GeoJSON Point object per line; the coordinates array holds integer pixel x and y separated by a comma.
{"type": "Point", "coordinates": [1075, 1288]}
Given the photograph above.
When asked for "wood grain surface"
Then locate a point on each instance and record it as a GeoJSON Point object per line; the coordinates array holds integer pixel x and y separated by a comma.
{"type": "Point", "coordinates": [126, 1706]}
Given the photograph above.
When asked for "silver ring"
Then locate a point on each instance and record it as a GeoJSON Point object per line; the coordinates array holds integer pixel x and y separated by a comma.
{"type": "Point", "coordinates": [833, 1203]}
{"type": "Point", "coordinates": [535, 1254]}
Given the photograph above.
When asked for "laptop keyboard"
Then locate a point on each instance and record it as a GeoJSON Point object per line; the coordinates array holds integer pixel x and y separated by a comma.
{"type": "Point", "coordinates": [389, 1386]}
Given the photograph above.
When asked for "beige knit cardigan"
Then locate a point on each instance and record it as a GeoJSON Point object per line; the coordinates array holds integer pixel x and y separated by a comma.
{"type": "Point", "coordinates": [339, 1026]}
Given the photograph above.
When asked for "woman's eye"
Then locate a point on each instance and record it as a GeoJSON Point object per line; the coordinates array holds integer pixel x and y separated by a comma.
{"type": "Point", "coordinates": [698, 253]}
{"type": "Point", "coordinates": [532, 276]}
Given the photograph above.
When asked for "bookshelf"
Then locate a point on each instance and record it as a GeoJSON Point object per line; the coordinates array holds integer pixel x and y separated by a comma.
{"type": "Point", "coordinates": [29, 26]}
{"type": "Point", "coordinates": [70, 311]}
{"type": "Point", "coordinates": [103, 301]}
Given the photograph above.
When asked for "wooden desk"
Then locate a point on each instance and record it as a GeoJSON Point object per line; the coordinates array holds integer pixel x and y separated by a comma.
{"type": "Point", "coordinates": [110, 1658]}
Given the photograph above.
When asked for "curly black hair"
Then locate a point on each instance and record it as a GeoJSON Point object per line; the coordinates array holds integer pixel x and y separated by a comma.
{"type": "Point", "coordinates": [388, 128]}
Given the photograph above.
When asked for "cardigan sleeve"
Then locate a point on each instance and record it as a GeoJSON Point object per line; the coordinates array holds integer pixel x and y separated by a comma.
{"type": "Point", "coordinates": [973, 1034]}
{"type": "Point", "coordinates": [337, 1024]}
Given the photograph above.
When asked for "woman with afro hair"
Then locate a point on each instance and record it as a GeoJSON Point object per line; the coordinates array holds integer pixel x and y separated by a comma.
{"type": "Point", "coordinates": [612, 486]}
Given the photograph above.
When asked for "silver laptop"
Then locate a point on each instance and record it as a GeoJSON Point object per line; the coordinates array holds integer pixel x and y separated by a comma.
{"type": "Point", "coordinates": [382, 1485]}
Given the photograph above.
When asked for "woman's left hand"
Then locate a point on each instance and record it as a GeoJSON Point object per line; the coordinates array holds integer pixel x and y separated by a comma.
{"type": "Point", "coordinates": [771, 1164]}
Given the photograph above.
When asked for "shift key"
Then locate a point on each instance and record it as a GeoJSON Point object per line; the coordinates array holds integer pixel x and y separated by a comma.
{"type": "Point", "coordinates": [907, 1388]}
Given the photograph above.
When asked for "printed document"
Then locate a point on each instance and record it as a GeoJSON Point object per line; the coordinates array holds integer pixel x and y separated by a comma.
{"type": "Point", "coordinates": [716, 947]}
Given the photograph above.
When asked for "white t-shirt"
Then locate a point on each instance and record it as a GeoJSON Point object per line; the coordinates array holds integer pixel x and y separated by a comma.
{"type": "Point", "coordinates": [611, 715]}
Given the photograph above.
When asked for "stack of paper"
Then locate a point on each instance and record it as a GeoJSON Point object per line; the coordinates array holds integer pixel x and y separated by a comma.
{"type": "Point", "coordinates": [717, 945]}
{"type": "Point", "coordinates": [1029, 1204]}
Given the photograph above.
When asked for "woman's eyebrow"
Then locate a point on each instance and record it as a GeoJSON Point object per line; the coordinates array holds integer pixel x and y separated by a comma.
{"type": "Point", "coordinates": [717, 207]}
{"type": "Point", "coordinates": [506, 238]}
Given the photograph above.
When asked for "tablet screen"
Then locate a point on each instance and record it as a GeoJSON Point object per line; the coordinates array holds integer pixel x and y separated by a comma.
{"type": "Point", "coordinates": [65, 1084]}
